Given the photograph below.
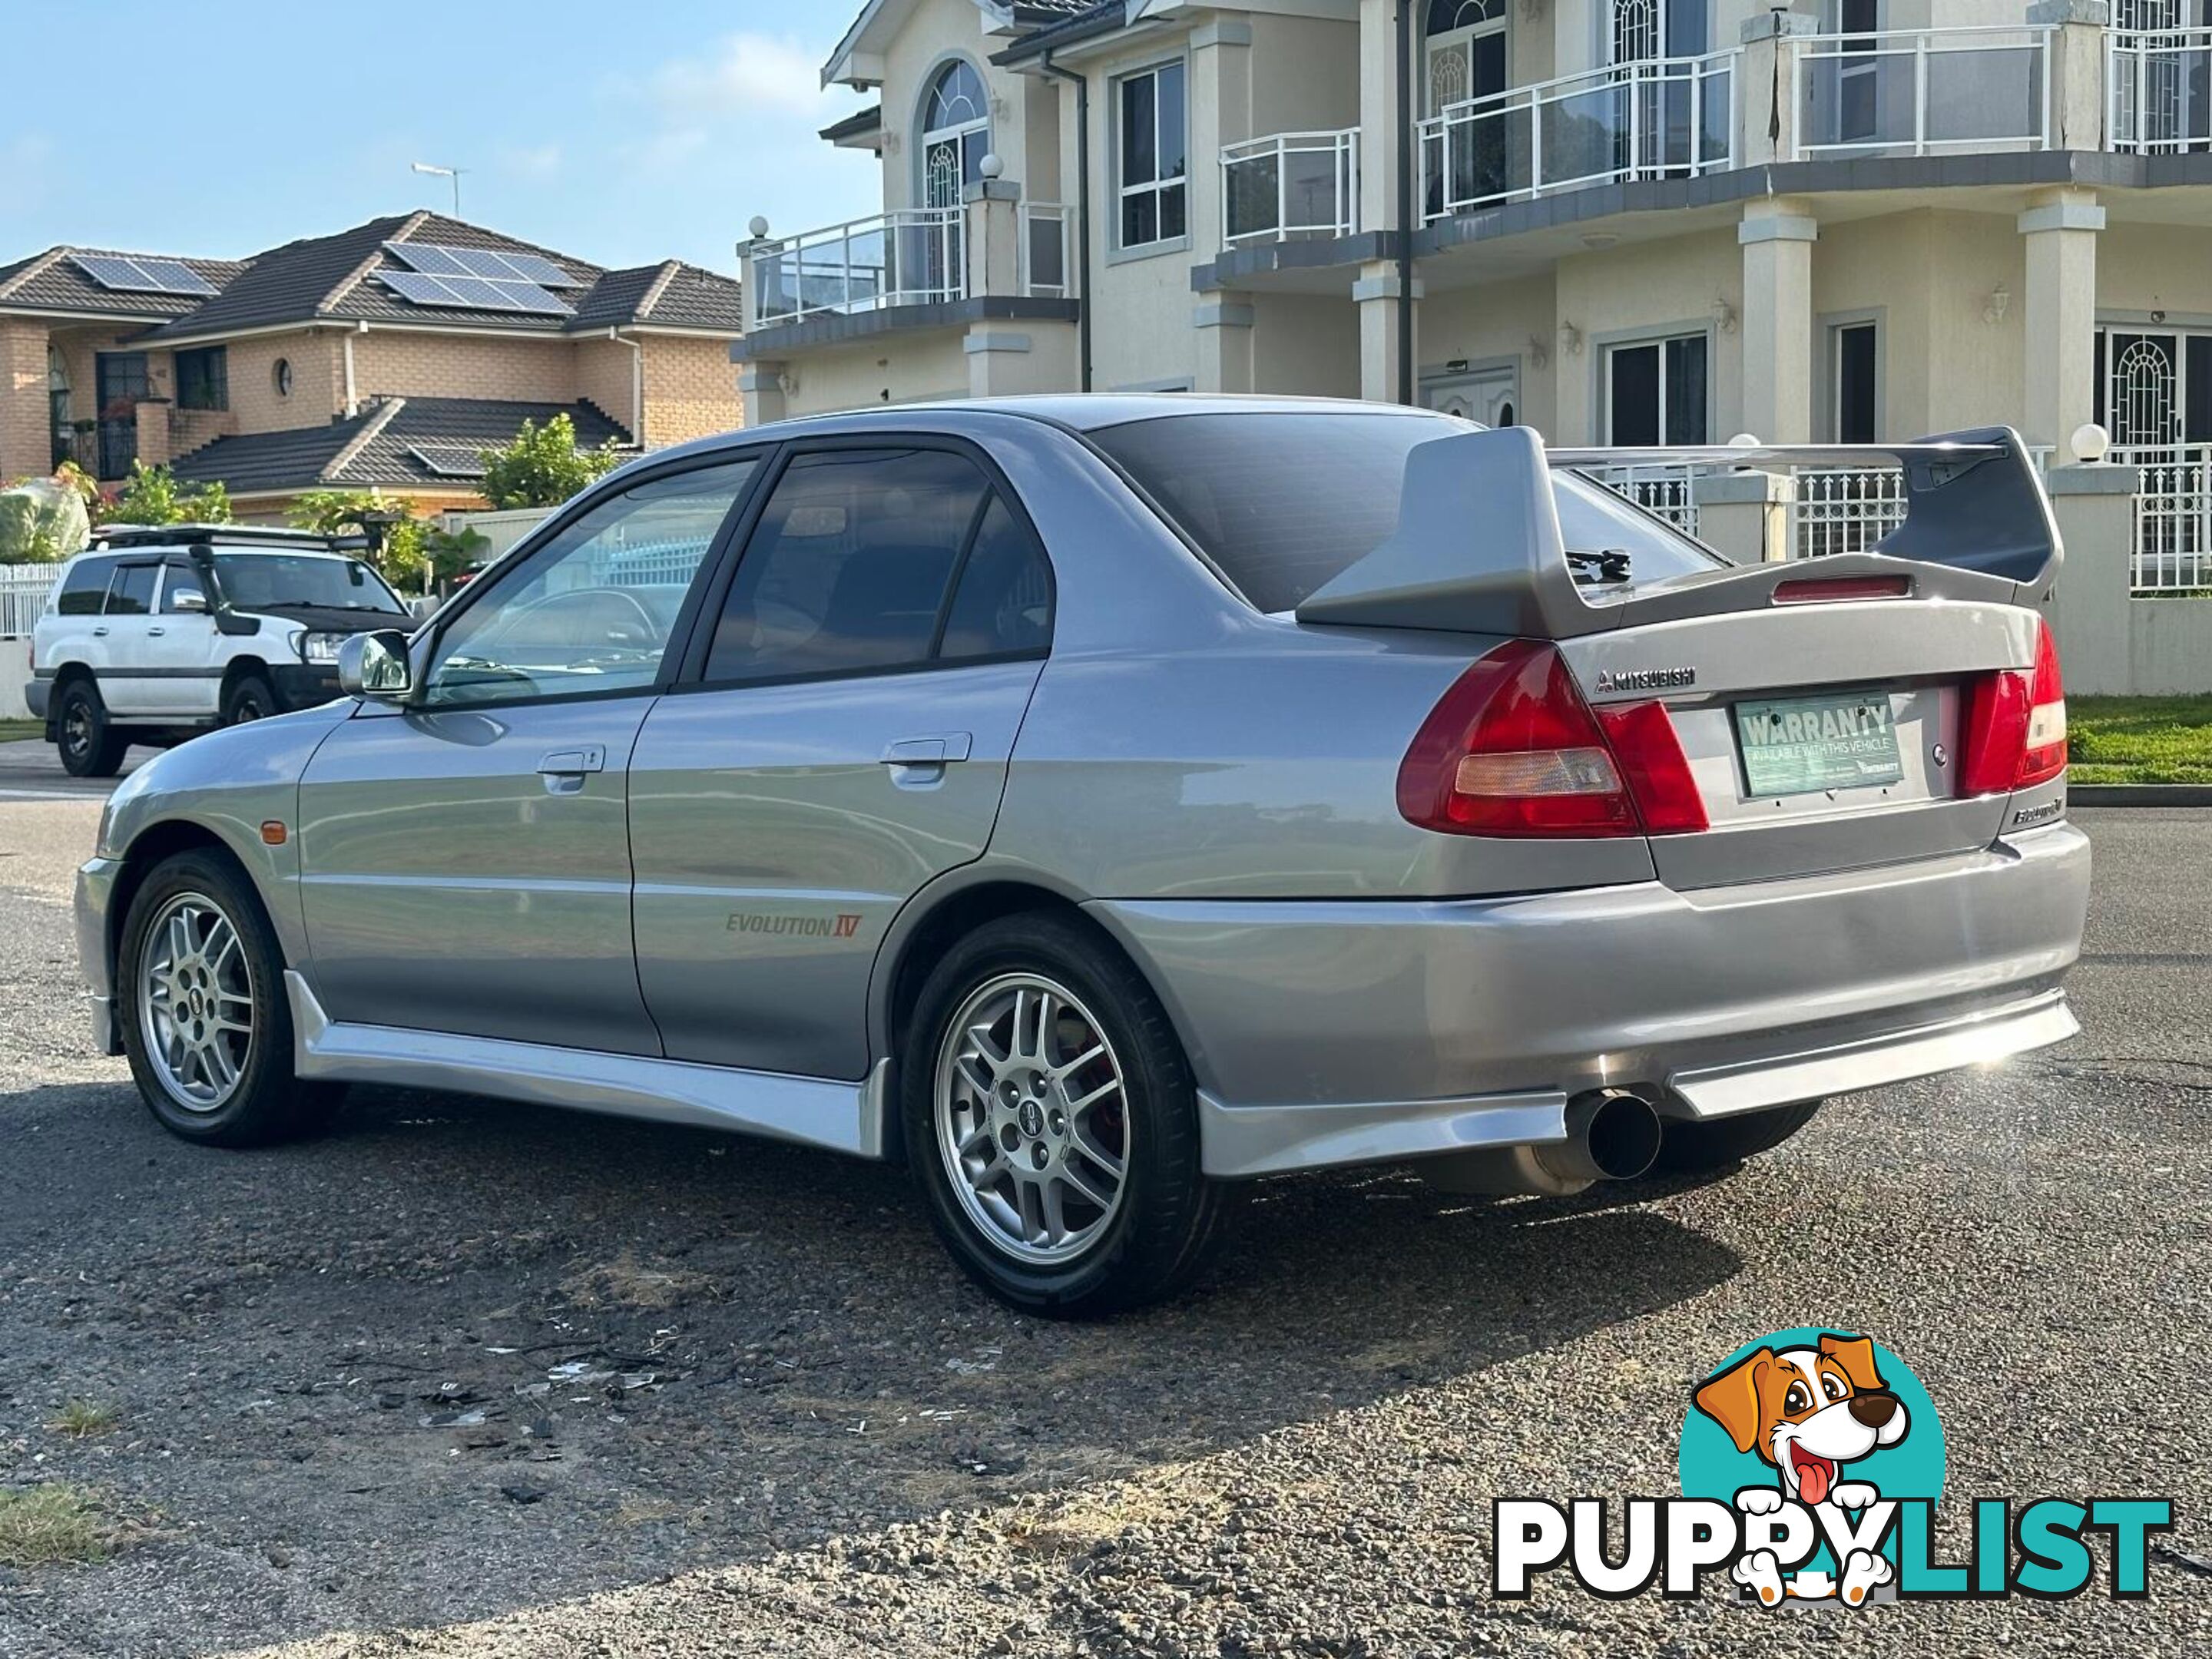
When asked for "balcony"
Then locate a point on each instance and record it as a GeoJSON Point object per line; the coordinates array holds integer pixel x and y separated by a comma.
{"type": "Point", "coordinates": [1923, 92]}
{"type": "Point", "coordinates": [2158, 91]}
{"type": "Point", "coordinates": [912, 257]}
{"type": "Point", "coordinates": [1289, 185]}
{"type": "Point", "coordinates": [1670, 118]}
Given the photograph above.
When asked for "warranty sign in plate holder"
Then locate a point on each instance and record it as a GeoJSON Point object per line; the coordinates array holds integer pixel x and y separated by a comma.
{"type": "Point", "coordinates": [1807, 745]}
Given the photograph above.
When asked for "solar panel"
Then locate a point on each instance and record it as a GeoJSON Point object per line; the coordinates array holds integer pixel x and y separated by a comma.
{"type": "Point", "coordinates": [427, 258]}
{"type": "Point", "coordinates": [483, 262]}
{"type": "Point", "coordinates": [474, 293]}
{"type": "Point", "coordinates": [121, 273]}
{"type": "Point", "coordinates": [449, 460]}
{"type": "Point", "coordinates": [536, 268]}
{"type": "Point", "coordinates": [441, 259]}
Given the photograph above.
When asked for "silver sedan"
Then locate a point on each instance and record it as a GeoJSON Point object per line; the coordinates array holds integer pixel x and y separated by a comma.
{"type": "Point", "coordinates": [1098, 803]}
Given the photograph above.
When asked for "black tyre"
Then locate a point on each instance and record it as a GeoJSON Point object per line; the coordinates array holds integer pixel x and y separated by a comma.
{"type": "Point", "coordinates": [1690, 1147]}
{"type": "Point", "coordinates": [1051, 1125]}
{"type": "Point", "coordinates": [90, 745]}
{"type": "Point", "coordinates": [250, 698]}
{"type": "Point", "coordinates": [199, 990]}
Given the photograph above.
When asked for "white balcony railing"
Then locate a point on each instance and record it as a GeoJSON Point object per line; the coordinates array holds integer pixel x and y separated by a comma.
{"type": "Point", "coordinates": [911, 256]}
{"type": "Point", "coordinates": [1293, 183]}
{"type": "Point", "coordinates": [2159, 90]}
{"type": "Point", "coordinates": [2172, 551]}
{"type": "Point", "coordinates": [1047, 258]}
{"type": "Point", "coordinates": [1923, 92]}
{"type": "Point", "coordinates": [1670, 118]}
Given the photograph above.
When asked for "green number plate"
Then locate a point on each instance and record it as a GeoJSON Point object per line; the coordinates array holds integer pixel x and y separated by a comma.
{"type": "Point", "coordinates": [1803, 745]}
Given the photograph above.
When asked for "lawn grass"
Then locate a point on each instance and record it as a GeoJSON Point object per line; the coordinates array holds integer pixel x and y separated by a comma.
{"type": "Point", "coordinates": [16, 731]}
{"type": "Point", "coordinates": [41, 1526]}
{"type": "Point", "coordinates": [2140, 739]}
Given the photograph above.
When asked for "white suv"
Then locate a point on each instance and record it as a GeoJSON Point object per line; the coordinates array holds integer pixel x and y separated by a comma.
{"type": "Point", "coordinates": [154, 635]}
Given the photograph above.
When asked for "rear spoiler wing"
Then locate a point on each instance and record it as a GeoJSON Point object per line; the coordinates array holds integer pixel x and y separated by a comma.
{"type": "Point", "coordinates": [1477, 548]}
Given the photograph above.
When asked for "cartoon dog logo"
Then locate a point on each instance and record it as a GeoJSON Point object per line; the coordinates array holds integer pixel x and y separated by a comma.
{"type": "Point", "coordinates": [1808, 1413]}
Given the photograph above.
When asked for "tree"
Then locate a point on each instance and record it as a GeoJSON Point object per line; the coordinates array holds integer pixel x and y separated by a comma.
{"type": "Point", "coordinates": [543, 467]}
{"type": "Point", "coordinates": [152, 496]}
{"type": "Point", "coordinates": [412, 552]}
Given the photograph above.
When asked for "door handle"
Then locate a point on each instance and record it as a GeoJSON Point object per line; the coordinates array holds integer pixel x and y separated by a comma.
{"type": "Point", "coordinates": [99, 633]}
{"type": "Point", "coordinates": [930, 751]}
{"type": "Point", "coordinates": [572, 763]}
{"type": "Point", "coordinates": [155, 633]}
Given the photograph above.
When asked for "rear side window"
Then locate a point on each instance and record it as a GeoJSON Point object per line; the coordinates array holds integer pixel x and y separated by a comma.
{"type": "Point", "coordinates": [867, 559]}
{"type": "Point", "coordinates": [84, 589]}
{"type": "Point", "coordinates": [1284, 503]}
{"type": "Point", "coordinates": [131, 592]}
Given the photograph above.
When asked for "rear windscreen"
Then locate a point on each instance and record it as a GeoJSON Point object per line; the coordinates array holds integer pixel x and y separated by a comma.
{"type": "Point", "coordinates": [1283, 502]}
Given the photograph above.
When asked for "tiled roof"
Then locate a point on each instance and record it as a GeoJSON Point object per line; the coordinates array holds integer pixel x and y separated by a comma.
{"type": "Point", "coordinates": [287, 284]}
{"type": "Point", "coordinates": [1055, 22]}
{"type": "Point", "coordinates": [368, 298]}
{"type": "Point", "coordinates": [670, 294]}
{"type": "Point", "coordinates": [52, 282]}
{"type": "Point", "coordinates": [376, 446]}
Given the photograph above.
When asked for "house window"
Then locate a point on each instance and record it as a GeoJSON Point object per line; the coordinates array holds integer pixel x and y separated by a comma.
{"type": "Point", "coordinates": [1642, 30]}
{"type": "Point", "coordinates": [1858, 109]}
{"type": "Point", "coordinates": [1465, 51]}
{"type": "Point", "coordinates": [1656, 391]}
{"type": "Point", "coordinates": [1852, 376]}
{"type": "Point", "coordinates": [955, 134]}
{"type": "Point", "coordinates": [1154, 157]}
{"type": "Point", "coordinates": [2154, 387]}
{"type": "Point", "coordinates": [203, 379]}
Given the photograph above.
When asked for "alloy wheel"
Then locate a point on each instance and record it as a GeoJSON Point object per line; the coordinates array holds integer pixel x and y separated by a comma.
{"type": "Point", "coordinates": [1032, 1120]}
{"type": "Point", "coordinates": [196, 1002]}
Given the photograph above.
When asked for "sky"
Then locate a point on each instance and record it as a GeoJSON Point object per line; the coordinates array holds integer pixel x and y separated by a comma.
{"type": "Point", "coordinates": [622, 133]}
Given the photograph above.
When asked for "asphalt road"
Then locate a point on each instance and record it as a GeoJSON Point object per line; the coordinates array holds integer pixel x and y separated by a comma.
{"type": "Point", "coordinates": [32, 771]}
{"type": "Point", "coordinates": [344, 1426]}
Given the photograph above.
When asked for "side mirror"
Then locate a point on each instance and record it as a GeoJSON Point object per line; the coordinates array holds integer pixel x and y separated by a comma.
{"type": "Point", "coordinates": [376, 665]}
{"type": "Point", "coordinates": [189, 601]}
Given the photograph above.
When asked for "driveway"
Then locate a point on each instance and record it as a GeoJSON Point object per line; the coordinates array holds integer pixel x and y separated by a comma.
{"type": "Point", "coordinates": [474, 1379]}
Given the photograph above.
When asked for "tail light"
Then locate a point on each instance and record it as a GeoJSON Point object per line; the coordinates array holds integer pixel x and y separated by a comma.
{"type": "Point", "coordinates": [1512, 750]}
{"type": "Point", "coordinates": [2016, 726]}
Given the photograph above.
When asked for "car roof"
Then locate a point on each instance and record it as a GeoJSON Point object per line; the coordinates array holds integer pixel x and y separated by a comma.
{"type": "Point", "coordinates": [230, 538]}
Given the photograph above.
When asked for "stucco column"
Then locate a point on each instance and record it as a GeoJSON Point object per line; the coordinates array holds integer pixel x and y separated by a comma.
{"type": "Point", "coordinates": [1745, 516]}
{"type": "Point", "coordinates": [2092, 614]}
{"type": "Point", "coordinates": [1223, 323]}
{"type": "Point", "coordinates": [2077, 101]}
{"type": "Point", "coordinates": [761, 384]}
{"type": "Point", "coordinates": [1766, 104]}
{"type": "Point", "coordinates": [2060, 316]}
{"type": "Point", "coordinates": [1376, 294]}
{"type": "Point", "coordinates": [1379, 114]}
{"type": "Point", "coordinates": [1220, 113]}
{"type": "Point", "coordinates": [1777, 236]}
{"type": "Point", "coordinates": [993, 250]}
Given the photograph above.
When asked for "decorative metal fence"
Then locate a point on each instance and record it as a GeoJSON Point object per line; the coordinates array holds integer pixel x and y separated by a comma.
{"type": "Point", "coordinates": [2173, 550]}
{"type": "Point", "coordinates": [23, 591]}
{"type": "Point", "coordinates": [1664, 491]}
{"type": "Point", "coordinates": [1845, 509]}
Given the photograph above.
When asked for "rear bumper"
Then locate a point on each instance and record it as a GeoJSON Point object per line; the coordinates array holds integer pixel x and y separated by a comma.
{"type": "Point", "coordinates": [1328, 1033]}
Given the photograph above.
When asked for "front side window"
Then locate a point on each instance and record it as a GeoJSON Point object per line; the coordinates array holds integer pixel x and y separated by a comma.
{"type": "Point", "coordinates": [203, 379]}
{"type": "Point", "coordinates": [1154, 158]}
{"type": "Point", "coordinates": [868, 560]}
{"type": "Point", "coordinates": [131, 592]}
{"type": "Point", "coordinates": [178, 578]}
{"type": "Point", "coordinates": [592, 609]}
{"type": "Point", "coordinates": [1656, 391]}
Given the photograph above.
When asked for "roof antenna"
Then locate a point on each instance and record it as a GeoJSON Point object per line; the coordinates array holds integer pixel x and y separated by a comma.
{"type": "Point", "coordinates": [453, 173]}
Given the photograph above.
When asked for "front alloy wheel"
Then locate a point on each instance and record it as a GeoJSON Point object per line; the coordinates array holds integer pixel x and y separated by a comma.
{"type": "Point", "coordinates": [1030, 1119]}
{"type": "Point", "coordinates": [196, 1003]}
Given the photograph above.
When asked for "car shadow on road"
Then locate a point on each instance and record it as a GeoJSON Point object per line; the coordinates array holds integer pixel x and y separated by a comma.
{"type": "Point", "coordinates": [681, 1350]}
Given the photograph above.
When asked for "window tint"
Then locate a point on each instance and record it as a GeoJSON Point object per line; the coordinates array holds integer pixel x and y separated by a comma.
{"type": "Point", "coordinates": [85, 588]}
{"type": "Point", "coordinates": [131, 592]}
{"type": "Point", "coordinates": [592, 609]}
{"type": "Point", "coordinates": [847, 568]}
{"type": "Point", "coordinates": [1283, 503]}
{"type": "Point", "coordinates": [1004, 603]}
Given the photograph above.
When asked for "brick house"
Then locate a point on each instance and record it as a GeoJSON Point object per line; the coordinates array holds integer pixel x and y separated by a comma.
{"type": "Point", "coordinates": [389, 354]}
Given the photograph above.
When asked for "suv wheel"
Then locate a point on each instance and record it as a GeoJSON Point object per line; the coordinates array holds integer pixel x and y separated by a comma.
{"type": "Point", "coordinates": [89, 746]}
{"type": "Point", "coordinates": [251, 698]}
{"type": "Point", "coordinates": [1051, 1123]}
{"type": "Point", "coordinates": [1689, 1148]}
{"type": "Point", "coordinates": [205, 1020]}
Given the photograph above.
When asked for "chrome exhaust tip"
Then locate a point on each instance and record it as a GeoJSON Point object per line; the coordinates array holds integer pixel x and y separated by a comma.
{"type": "Point", "coordinates": [1613, 1134]}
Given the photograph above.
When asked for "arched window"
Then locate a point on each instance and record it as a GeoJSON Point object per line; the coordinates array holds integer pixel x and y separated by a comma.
{"type": "Point", "coordinates": [956, 134]}
{"type": "Point", "coordinates": [1465, 52]}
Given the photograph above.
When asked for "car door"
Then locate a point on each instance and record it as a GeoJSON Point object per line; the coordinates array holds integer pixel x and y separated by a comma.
{"type": "Point", "coordinates": [840, 736]}
{"type": "Point", "coordinates": [183, 677]}
{"type": "Point", "coordinates": [127, 683]}
{"type": "Point", "coordinates": [465, 856]}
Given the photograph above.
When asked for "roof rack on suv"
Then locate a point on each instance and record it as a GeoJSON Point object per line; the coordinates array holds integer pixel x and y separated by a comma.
{"type": "Point", "coordinates": [113, 537]}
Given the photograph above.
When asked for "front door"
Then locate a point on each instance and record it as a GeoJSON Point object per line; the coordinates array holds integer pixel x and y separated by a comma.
{"type": "Point", "coordinates": [466, 858]}
{"type": "Point", "coordinates": [184, 680]}
{"type": "Point", "coordinates": [1466, 59]}
{"type": "Point", "coordinates": [119, 379]}
{"type": "Point", "coordinates": [1491, 396]}
{"type": "Point", "coordinates": [843, 739]}
{"type": "Point", "coordinates": [128, 686]}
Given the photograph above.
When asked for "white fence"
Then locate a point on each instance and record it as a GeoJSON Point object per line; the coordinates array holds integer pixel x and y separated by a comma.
{"type": "Point", "coordinates": [23, 590]}
{"type": "Point", "coordinates": [1668, 118]}
{"type": "Point", "coordinates": [2173, 550]}
{"type": "Point", "coordinates": [1924, 92]}
{"type": "Point", "coordinates": [1667, 492]}
{"type": "Point", "coordinates": [1293, 183]}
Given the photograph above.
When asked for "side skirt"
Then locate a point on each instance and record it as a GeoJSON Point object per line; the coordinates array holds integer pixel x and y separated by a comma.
{"type": "Point", "coordinates": [842, 1117]}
